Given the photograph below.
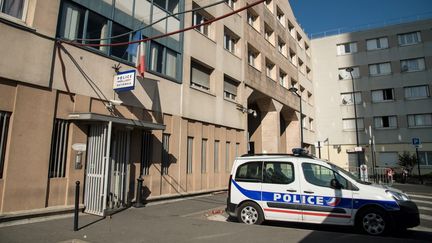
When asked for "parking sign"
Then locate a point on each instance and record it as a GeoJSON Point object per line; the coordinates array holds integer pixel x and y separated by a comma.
{"type": "Point", "coordinates": [416, 142]}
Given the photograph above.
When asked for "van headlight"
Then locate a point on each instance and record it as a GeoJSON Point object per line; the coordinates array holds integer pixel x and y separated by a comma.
{"type": "Point", "coordinates": [398, 196]}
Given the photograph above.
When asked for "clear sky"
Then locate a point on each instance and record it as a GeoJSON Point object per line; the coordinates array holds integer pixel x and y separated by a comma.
{"type": "Point", "coordinates": [322, 15]}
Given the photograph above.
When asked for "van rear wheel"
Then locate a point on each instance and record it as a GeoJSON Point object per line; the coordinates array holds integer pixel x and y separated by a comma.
{"type": "Point", "coordinates": [250, 213]}
{"type": "Point", "coordinates": [373, 221]}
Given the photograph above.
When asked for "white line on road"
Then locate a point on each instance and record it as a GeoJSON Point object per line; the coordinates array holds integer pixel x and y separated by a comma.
{"type": "Point", "coordinates": [419, 196]}
{"type": "Point", "coordinates": [425, 208]}
{"type": "Point", "coordinates": [421, 201]}
{"type": "Point", "coordinates": [426, 217]}
{"type": "Point", "coordinates": [424, 229]}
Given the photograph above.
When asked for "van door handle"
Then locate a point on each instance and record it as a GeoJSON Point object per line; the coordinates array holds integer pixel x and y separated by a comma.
{"type": "Point", "coordinates": [308, 192]}
{"type": "Point", "coordinates": [290, 190]}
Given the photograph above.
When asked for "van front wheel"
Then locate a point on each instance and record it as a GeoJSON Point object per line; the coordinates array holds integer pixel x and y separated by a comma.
{"type": "Point", "coordinates": [250, 213]}
{"type": "Point", "coordinates": [373, 221]}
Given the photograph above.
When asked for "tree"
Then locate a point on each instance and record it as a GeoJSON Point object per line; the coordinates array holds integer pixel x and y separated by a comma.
{"type": "Point", "coordinates": [407, 160]}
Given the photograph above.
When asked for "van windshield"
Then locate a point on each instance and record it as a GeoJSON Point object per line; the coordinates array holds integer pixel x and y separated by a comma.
{"type": "Point", "coordinates": [349, 174]}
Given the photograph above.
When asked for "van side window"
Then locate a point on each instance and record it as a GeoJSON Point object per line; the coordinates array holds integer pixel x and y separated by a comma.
{"type": "Point", "coordinates": [278, 173]}
{"type": "Point", "coordinates": [321, 176]}
{"type": "Point", "coordinates": [249, 172]}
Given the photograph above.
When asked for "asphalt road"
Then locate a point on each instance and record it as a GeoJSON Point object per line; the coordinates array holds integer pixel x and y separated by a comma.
{"type": "Point", "coordinates": [200, 219]}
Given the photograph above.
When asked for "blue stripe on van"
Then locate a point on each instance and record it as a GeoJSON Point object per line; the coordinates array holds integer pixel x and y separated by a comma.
{"type": "Point", "coordinates": [313, 200]}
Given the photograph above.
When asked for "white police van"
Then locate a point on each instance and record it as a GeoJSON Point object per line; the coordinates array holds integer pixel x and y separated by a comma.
{"type": "Point", "coordinates": [301, 188]}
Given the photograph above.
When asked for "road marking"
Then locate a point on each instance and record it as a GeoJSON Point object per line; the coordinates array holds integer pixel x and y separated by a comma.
{"type": "Point", "coordinates": [426, 217]}
{"type": "Point", "coordinates": [421, 201]}
{"type": "Point", "coordinates": [419, 196]}
{"type": "Point", "coordinates": [424, 229]}
{"type": "Point", "coordinates": [425, 208]}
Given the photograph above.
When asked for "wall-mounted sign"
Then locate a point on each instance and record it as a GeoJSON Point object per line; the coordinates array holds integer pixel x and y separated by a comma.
{"type": "Point", "coordinates": [124, 81]}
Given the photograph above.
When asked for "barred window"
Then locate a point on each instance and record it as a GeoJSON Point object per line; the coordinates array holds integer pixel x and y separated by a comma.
{"type": "Point", "coordinates": [4, 125]}
{"type": "Point", "coordinates": [57, 166]}
{"type": "Point", "coordinates": [146, 152]}
{"type": "Point", "coordinates": [165, 153]}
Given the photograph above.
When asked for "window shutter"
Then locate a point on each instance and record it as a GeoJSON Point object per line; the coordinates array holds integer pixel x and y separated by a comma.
{"type": "Point", "coordinates": [230, 86]}
{"type": "Point", "coordinates": [200, 77]}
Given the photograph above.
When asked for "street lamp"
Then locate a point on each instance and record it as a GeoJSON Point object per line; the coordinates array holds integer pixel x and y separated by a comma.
{"type": "Point", "coordinates": [294, 91]}
{"type": "Point", "coordinates": [350, 70]}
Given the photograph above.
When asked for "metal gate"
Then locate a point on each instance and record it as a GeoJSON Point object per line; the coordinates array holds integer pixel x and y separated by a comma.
{"type": "Point", "coordinates": [119, 169]}
{"type": "Point", "coordinates": [95, 195]}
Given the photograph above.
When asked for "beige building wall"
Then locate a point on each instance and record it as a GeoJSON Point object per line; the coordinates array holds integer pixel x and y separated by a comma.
{"type": "Point", "coordinates": [42, 80]}
{"type": "Point", "coordinates": [328, 88]}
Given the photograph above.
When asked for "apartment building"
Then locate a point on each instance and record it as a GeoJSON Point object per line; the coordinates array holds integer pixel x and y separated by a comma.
{"type": "Point", "coordinates": [391, 71]}
{"type": "Point", "coordinates": [207, 96]}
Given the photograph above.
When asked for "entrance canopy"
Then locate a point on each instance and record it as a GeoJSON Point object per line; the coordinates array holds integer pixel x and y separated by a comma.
{"type": "Point", "coordinates": [93, 117]}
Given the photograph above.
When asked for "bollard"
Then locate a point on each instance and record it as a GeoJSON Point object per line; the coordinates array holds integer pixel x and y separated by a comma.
{"type": "Point", "coordinates": [77, 191]}
{"type": "Point", "coordinates": [138, 203]}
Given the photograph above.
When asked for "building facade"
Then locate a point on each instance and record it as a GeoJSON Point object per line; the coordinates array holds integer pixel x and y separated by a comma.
{"type": "Point", "coordinates": [207, 96]}
{"type": "Point", "coordinates": [391, 71]}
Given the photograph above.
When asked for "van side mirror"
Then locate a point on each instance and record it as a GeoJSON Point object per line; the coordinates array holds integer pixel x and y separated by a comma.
{"type": "Point", "coordinates": [335, 184]}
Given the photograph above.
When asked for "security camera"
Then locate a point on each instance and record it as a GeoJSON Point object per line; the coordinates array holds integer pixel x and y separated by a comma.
{"type": "Point", "coordinates": [116, 102]}
{"type": "Point", "coordinates": [254, 114]}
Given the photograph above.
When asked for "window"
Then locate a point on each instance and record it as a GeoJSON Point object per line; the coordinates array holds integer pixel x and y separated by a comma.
{"type": "Point", "coordinates": [420, 120]}
{"type": "Point", "coordinates": [382, 95]}
{"type": "Point", "coordinates": [189, 155]}
{"type": "Point", "coordinates": [349, 124]}
{"type": "Point", "coordinates": [119, 51]}
{"type": "Point", "coordinates": [409, 38]}
{"type": "Point", "coordinates": [307, 48]}
{"type": "Point", "coordinates": [311, 124]}
{"type": "Point", "coordinates": [249, 172]}
{"type": "Point", "coordinates": [425, 157]}
{"type": "Point", "coordinates": [416, 92]}
{"type": "Point", "coordinates": [278, 173]}
{"type": "Point", "coordinates": [230, 41]}
{"type": "Point", "coordinates": [269, 5]}
{"type": "Point", "coordinates": [227, 156]}
{"type": "Point", "coordinates": [283, 79]}
{"type": "Point", "coordinates": [165, 153]}
{"type": "Point", "coordinates": [96, 28]}
{"type": "Point", "coordinates": [413, 65]}
{"type": "Point", "coordinates": [163, 60]}
{"type": "Point", "coordinates": [301, 66]}
{"type": "Point", "coordinates": [14, 8]}
{"type": "Point", "coordinates": [292, 57]}
{"type": "Point", "coordinates": [237, 147]}
{"type": "Point", "coordinates": [168, 5]}
{"type": "Point", "coordinates": [204, 156]}
{"type": "Point", "coordinates": [282, 46]}
{"type": "Point", "coordinates": [379, 69]}
{"type": "Point", "coordinates": [146, 150]}
{"type": "Point", "coordinates": [230, 88]}
{"type": "Point", "coordinates": [216, 156]}
{"type": "Point", "coordinates": [347, 48]}
{"type": "Point", "coordinates": [321, 176]}
{"type": "Point", "coordinates": [308, 73]}
{"type": "Point", "coordinates": [59, 148]}
{"type": "Point", "coordinates": [280, 16]}
{"type": "Point", "coordinates": [270, 70]}
{"type": "Point", "coordinates": [291, 29]}
{"type": "Point", "coordinates": [343, 74]}
{"type": "Point", "coordinates": [200, 17]}
{"type": "Point", "coordinates": [253, 57]}
{"type": "Point", "coordinates": [253, 19]}
{"type": "Point", "coordinates": [299, 40]}
{"type": "Point", "coordinates": [200, 76]}
{"type": "Point", "coordinates": [269, 34]}
{"type": "Point", "coordinates": [4, 127]}
{"type": "Point", "coordinates": [231, 3]}
{"type": "Point", "coordinates": [385, 122]}
{"type": "Point", "coordinates": [348, 98]}
{"type": "Point", "coordinates": [377, 44]}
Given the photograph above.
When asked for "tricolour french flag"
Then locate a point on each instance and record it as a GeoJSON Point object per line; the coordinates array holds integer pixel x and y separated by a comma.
{"type": "Point", "coordinates": [137, 50]}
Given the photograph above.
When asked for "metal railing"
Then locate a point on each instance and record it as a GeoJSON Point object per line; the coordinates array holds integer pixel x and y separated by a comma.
{"type": "Point", "coordinates": [402, 20]}
{"type": "Point", "coordinates": [375, 175]}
